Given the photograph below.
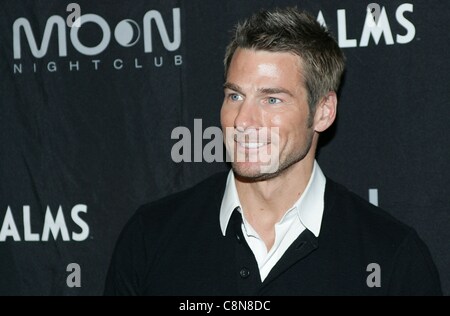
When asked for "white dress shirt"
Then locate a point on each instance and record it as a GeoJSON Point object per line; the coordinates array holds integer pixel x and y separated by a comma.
{"type": "Point", "coordinates": [306, 212]}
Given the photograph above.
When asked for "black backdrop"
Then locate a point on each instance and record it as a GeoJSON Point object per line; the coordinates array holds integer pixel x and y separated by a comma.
{"type": "Point", "coordinates": [86, 134]}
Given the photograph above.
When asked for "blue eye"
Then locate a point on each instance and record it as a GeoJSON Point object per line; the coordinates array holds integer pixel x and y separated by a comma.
{"type": "Point", "coordinates": [235, 97]}
{"type": "Point", "coordinates": [272, 100]}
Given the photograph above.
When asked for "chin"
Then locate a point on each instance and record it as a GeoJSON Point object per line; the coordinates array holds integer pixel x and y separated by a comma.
{"type": "Point", "coordinates": [253, 173]}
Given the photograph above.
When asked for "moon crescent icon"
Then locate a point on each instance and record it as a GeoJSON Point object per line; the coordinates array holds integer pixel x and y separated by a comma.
{"type": "Point", "coordinates": [127, 33]}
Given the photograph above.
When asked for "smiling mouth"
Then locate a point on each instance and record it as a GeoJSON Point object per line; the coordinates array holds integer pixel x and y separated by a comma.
{"type": "Point", "coordinates": [251, 141]}
{"type": "Point", "coordinates": [251, 145]}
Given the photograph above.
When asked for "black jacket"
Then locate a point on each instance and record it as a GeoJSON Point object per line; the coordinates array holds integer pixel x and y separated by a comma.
{"type": "Point", "coordinates": [174, 246]}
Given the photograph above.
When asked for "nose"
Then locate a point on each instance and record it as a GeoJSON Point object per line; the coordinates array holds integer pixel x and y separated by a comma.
{"type": "Point", "coordinates": [247, 117]}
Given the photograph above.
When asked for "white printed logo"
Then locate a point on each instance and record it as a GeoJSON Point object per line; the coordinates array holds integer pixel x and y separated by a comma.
{"type": "Point", "coordinates": [376, 25]}
{"type": "Point", "coordinates": [54, 225]}
{"type": "Point", "coordinates": [127, 33]}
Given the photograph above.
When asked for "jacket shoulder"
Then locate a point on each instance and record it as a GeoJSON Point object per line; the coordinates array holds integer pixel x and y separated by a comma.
{"type": "Point", "coordinates": [205, 193]}
{"type": "Point", "coordinates": [359, 214]}
{"type": "Point", "coordinates": [370, 234]}
{"type": "Point", "coordinates": [153, 226]}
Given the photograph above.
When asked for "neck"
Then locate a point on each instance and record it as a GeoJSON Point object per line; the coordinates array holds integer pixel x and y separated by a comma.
{"type": "Point", "coordinates": [271, 198]}
{"type": "Point", "coordinates": [265, 202]}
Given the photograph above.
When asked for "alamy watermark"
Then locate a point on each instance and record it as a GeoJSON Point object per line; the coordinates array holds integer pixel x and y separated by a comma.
{"type": "Point", "coordinates": [375, 10]}
{"type": "Point", "coordinates": [374, 278]}
{"type": "Point", "coordinates": [252, 145]}
{"type": "Point", "coordinates": [74, 277]}
{"type": "Point", "coordinates": [73, 19]}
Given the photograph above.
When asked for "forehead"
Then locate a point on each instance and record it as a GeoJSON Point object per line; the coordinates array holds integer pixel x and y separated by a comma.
{"type": "Point", "coordinates": [250, 66]}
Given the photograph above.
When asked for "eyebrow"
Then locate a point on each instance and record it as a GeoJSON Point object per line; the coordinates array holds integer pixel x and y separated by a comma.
{"type": "Point", "coordinates": [275, 91]}
{"type": "Point", "coordinates": [235, 87]}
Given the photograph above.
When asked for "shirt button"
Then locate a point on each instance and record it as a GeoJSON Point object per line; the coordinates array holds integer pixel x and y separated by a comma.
{"type": "Point", "coordinates": [244, 273]}
{"type": "Point", "coordinates": [238, 238]}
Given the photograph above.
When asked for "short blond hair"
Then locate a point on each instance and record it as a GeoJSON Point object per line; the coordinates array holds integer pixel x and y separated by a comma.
{"type": "Point", "coordinates": [297, 32]}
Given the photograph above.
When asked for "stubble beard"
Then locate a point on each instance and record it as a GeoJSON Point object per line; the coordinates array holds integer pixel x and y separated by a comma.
{"type": "Point", "coordinates": [248, 175]}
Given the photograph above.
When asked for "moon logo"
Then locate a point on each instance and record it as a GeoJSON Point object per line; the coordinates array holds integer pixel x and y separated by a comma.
{"type": "Point", "coordinates": [127, 33]}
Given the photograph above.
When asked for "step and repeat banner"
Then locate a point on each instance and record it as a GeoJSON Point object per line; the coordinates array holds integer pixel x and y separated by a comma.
{"type": "Point", "coordinates": [88, 108]}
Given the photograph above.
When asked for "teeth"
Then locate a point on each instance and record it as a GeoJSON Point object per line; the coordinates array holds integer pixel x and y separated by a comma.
{"type": "Point", "coordinates": [251, 145]}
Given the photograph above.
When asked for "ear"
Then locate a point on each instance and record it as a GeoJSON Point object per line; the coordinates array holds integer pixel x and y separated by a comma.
{"type": "Point", "coordinates": [325, 112]}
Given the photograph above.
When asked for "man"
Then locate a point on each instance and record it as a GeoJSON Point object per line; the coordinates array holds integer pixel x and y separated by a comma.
{"type": "Point", "coordinates": [273, 226]}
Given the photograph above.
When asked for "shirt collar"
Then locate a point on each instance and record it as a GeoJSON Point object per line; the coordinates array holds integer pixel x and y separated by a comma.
{"type": "Point", "coordinates": [309, 206]}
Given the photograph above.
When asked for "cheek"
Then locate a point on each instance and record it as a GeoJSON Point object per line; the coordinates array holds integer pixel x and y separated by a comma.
{"type": "Point", "coordinates": [289, 126]}
{"type": "Point", "coordinates": [276, 120]}
{"type": "Point", "coordinates": [288, 121]}
{"type": "Point", "coordinates": [227, 116]}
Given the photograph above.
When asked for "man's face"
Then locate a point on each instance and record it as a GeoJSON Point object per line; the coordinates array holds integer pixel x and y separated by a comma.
{"type": "Point", "coordinates": [265, 113]}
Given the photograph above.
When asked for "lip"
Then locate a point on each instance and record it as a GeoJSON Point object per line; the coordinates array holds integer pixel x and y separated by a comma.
{"type": "Point", "coordinates": [252, 145]}
{"type": "Point", "coordinates": [251, 139]}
